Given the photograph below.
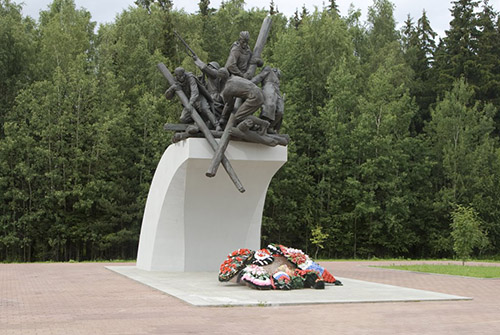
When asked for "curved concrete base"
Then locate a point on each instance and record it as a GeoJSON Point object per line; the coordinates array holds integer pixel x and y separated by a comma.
{"type": "Point", "coordinates": [191, 222]}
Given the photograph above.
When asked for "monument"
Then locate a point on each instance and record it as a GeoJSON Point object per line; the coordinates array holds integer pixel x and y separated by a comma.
{"type": "Point", "coordinates": [195, 216]}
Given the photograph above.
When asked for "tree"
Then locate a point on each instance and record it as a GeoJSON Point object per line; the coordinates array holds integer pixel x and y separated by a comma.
{"type": "Point", "coordinates": [381, 134]}
{"type": "Point", "coordinates": [144, 3]}
{"type": "Point", "coordinates": [333, 8]}
{"type": "Point", "coordinates": [382, 23]}
{"type": "Point", "coordinates": [358, 32]}
{"type": "Point", "coordinates": [272, 9]}
{"type": "Point", "coordinates": [295, 204]}
{"type": "Point", "coordinates": [318, 237]}
{"type": "Point", "coordinates": [419, 53]}
{"type": "Point", "coordinates": [204, 8]}
{"type": "Point", "coordinates": [65, 33]}
{"type": "Point", "coordinates": [488, 49]}
{"type": "Point", "coordinates": [464, 154]}
{"type": "Point", "coordinates": [459, 129]}
{"type": "Point", "coordinates": [165, 5]}
{"type": "Point", "coordinates": [17, 37]}
{"type": "Point", "coordinates": [457, 56]}
{"type": "Point", "coordinates": [466, 232]}
{"type": "Point", "coordinates": [295, 20]}
{"type": "Point", "coordinates": [408, 34]}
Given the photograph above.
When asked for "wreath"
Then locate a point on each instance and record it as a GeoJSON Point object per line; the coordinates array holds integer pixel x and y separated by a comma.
{"type": "Point", "coordinates": [234, 263]}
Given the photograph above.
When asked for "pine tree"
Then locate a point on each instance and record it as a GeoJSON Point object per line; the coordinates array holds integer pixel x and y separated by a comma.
{"type": "Point", "coordinates": [409, 35]}
{"type": "Point", "coordinates": [204, 7]}
{"type": "Point", "coordinates": [427, 39]}
{"type": "Point", "coordinates": [272, 10]}
{"type": "Point", "coordinates": [146, 4]}
{"type": "Point", "coordinates": [488, 39]}
{"type": "Point", "coordinates": [165, 5]}
{"type": "Point", "coordinates": [295, 20]}
{"type": "Point", "coordinates": [423, 49]}
{"type": "Point", "coordinates": [457, 56]}
{"type": "Point", "coordinates": [333, 8]}
{"type": "Point", "coordinates": [304, 13]}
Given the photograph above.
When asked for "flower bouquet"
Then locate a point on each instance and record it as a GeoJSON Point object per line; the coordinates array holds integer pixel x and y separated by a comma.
{"type": "Point", "coordinates": [275, 267]}
{"type": "Point", "coordinates": [255, 276]}
{"type": "Point", "coordinates": [234, 263]}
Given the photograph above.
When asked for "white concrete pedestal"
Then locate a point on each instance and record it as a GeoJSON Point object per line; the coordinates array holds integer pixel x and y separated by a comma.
{"type": "Point", "coordinates": [191, 222]}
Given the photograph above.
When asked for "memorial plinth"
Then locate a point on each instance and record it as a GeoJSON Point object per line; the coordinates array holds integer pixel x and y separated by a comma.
{"type": "Point", "coordinates": [191, 222]}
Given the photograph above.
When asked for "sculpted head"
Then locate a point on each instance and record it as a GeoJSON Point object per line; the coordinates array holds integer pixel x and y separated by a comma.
{"type": "Point", "coordinates": [214, 65]}
{"type": "Point", "coordinates": [244, 38]}
{"type": "Point", "coordinates": [180, 74]}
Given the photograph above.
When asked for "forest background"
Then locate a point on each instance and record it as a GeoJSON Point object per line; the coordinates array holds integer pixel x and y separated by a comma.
{"type": "Point", "coordinates": [393, 131]}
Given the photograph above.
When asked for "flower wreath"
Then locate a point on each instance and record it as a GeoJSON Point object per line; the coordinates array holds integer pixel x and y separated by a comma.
{"type": "Point", "coordinates": [256, 277]}
{"type": "Point", "coordinates": [302, 261]}
{"type": "Point", "coordinates": [262, 257]}
{"type": "Point", "coordinates": [234, 263]}
{"type": "Point", "coordinates": [251, 268]}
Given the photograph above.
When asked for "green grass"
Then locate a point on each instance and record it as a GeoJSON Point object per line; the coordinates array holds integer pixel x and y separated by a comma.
{"type": "Point", "coordinates": [451, 269]}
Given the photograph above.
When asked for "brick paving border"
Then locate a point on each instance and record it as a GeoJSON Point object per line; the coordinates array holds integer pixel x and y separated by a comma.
{"type": "Point", "coordinates": [86, 298]}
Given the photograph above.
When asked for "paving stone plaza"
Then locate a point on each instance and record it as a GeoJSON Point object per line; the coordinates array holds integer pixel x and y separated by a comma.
{"type": "Point", "coordinates": [88, 298]}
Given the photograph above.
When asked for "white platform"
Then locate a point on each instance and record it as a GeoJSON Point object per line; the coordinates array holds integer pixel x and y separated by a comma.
{"type": "Point", "coordinates": [191, 222]}
{"type": "Point", "coordinates": [203, 289]}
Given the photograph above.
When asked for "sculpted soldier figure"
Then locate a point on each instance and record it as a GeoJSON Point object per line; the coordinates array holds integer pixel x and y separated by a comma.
{"type": "Point", "coordinates": [238, 87]}
{"type": "Point", "coordinates": [212, 81]}
{"type": "Point", "coordinates": [186, 82]}
{"type": "Point", "coordinates": [240, 57]}
{"type": "Point", "coordinates": [273, 107]}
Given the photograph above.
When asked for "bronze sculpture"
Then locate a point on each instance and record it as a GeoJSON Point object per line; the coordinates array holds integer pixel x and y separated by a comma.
{"type": "Point", "coordinates": [202, 126]}
{"type": "Point", "coordinates": [186, 82]}
{"type": "Point", "coordinates": [227, 100]}
{"type": "Point", "coordinates": [224, 141]}
{"type": "Point", "coordinates": [273, 107]}
{"type": "Point", "coordinates": [237, 87]}
{"type": "Point", "coordinates": [212, 82]}
{"type": "Point", "coordinates": [239, 57]}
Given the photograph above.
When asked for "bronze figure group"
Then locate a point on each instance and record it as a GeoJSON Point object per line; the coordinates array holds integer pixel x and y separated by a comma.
{"type": "Point", "coordinates": [214, 95]}
{"type": "Point", "coordinates": [223, 102]}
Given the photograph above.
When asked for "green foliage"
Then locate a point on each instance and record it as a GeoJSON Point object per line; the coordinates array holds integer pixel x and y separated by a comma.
{"type": "Point", "coordinates": [318, 237]}
{"type": "Point", "coordinates": [457, 54]}
{"type": "Point", "coordinates": [17, 55]}
{"type": "Point", "coordinates": [465, 155]}
{"type": "Point", "coordinates": [420, 45]}
{"type": "Point", "coordinates": [466, 232]}
{"type": "Point", "coordinates": [389, 131]}
{"type": "Point", "coordinates": [382, 23]}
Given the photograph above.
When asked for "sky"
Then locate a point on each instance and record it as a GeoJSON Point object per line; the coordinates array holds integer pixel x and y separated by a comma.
{"type": "Point", "coordinates": [105, 11]}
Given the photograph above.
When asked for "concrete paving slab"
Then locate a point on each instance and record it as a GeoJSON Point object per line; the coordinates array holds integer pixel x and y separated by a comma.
{"type": "Point", "coordinates": [203, 289]}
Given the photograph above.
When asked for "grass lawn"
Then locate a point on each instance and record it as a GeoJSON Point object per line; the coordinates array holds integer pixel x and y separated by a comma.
{"type": "Point", "coordinates": [451, 269]}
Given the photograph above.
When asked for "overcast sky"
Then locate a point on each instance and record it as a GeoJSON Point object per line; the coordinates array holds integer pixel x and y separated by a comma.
{"type": "Point", "coordinates": [437, 10]}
